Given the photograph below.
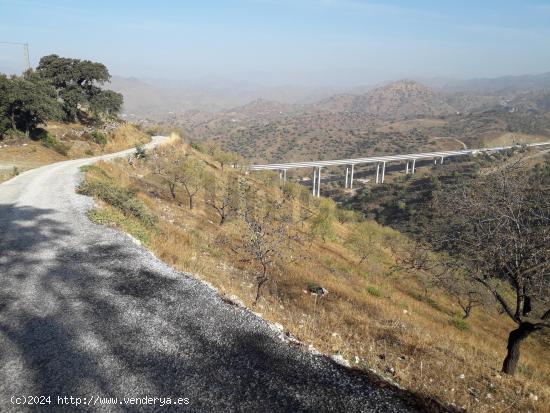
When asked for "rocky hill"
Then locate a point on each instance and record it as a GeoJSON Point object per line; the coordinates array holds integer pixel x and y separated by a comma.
{"type": "Point", "coordinates": [397, 100]}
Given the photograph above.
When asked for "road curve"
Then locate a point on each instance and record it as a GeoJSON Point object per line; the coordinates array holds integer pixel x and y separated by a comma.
{"type": "Point", "coordinates": [85, 312]}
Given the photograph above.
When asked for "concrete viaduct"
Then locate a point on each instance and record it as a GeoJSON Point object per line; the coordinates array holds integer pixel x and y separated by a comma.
{"type": "Point", "coordinates": [380, 162]}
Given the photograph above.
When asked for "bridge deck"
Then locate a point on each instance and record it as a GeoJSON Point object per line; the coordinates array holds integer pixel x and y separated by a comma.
{"type": "Point", "coordinates": [385, 158]}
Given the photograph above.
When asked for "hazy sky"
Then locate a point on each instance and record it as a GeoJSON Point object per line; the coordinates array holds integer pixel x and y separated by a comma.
{"type": "Point", "coordinates": [333, 42]}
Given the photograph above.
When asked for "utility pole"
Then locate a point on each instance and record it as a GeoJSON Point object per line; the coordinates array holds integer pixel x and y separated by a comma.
{"type": "Point", "coordinates": [25, 51]}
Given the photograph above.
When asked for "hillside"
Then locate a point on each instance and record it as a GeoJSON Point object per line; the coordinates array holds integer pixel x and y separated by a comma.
{"type": "Point", "coordinates": [374, 312]}
{"type": "Point", "coordinates": [403, 99]}
{"type": "Point", "coordinates": [403, 116]}
{"type": "Point", "coordinates": [62, 141]}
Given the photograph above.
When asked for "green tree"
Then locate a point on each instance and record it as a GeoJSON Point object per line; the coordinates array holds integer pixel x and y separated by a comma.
{"type": "Point", "coordinates": [106, 101]}
{"type": "Point", "coordinates": [77, 83]}
{"type": "Point", "coordinates": [322, 224]}
{"type": "Point", "coordinates": [5, 123]}
{"type": "Point", "coordinates": [361, 240]}
{"type": "Point", "coordinates": [30, 102]}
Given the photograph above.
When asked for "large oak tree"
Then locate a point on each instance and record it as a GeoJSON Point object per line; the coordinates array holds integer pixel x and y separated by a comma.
{"type": "Point", "coordinates": [78, 84]}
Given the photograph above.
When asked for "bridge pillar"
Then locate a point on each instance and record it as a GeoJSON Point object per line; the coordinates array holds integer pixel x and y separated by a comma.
{"type": "Point", "coordinates": [407, 168]}
{"type": "Point", "coordinates": [314, 182]}
{"type": "Point", "coordinates": [351, 180]}
{"type": "Point", "coordinates": [347, 175]}
{"type": "Point", "coordinates": [284, 177]}
{"type": "Point", "coordinates": [441, 160]}
{"type": "Point", "coordinates": [319, 183]}
{"type": "Point", "coordinates": [383, 171]}
{"type": "Point", "coordinates": [413, 165]}
{"type": "Point", "coordinates": [377, 171]}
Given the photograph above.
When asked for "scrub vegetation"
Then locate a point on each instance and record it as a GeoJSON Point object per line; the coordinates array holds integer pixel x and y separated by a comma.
{"type": "Point", "coordinates": [333, 279]}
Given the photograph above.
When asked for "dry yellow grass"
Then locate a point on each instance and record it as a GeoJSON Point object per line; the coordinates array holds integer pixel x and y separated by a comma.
{"type": "Point", "coordinates": [375, 316]}
{"type": "Point", "coordinates": [26, 154]}
{"type": "Point", "coordinates": [124, 137]}
{"type": "Point", "coordinates": [32, 155]}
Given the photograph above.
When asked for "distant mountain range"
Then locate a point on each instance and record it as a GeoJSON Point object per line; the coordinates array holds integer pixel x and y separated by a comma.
{"type": "Point", "coordinates": [407, 99]}
{"type": "Point", "coordinates": [292, 124]}
{"type": "Point", "coordinates": [498, 84]}
{"type": "Point", "coordinates": [401, 99]}
{"type": "Point", "coordinates": [401, 116]}
{"type": "Point", "coordinates": [156, 99]}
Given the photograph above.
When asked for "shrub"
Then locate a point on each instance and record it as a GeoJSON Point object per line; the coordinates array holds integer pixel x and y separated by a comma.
{"type": "Point", "coordinates": [375, 292]}
{"type": "Point", "coordinates": [140, 152]}
{"type": "Point", "coordinates": [95, 169]}
{"type": "Point", "coordinates": [129, 224]}
{"type": "Point", "coordinates": [38, 134]}
{"type": "Point", "coordinates": [99, 138]}
{"type": "Point", "coordinates": [51, 142]}
{"type": "Point", "coordinates": [198, 147]}
{"type": "Point", "coordinates": [346, 215]}
{"type": "Point", "coordinates": [460, 323]}
{"type": "Point", "coordinates": [119, 198]}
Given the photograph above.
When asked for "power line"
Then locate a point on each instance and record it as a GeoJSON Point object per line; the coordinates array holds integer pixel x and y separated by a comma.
{"type": "Point", "coordinates": [25, 49]}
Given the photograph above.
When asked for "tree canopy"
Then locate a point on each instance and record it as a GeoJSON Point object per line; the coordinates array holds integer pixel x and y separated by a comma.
{"type": "Point", "coordinates": [59, 89]}
{"type": "Point", "coordinates": [77, 84]}
{"type": "Point", "coordinates": [27, 101]}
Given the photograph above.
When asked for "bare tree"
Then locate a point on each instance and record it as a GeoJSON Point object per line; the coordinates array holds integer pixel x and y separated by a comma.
{"type": "Point", "coordinates": [499, 226]}
{"type": "Point", "coordinates": [165, 165]}
{"type": "Point", "coordinates": [266, 240]}
{"type": "Point", "coordinates": [191, 175]}
{"type": "Point", "coordinates": [453, 277]}
{"type": "Point", "coordinates": [221, 194]}
{"type": "Point", "coordinates": [305, 206]}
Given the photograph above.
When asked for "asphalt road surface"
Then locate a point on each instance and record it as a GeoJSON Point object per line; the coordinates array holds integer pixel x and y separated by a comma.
{"type": "Point", "coordinates": [86, 312]}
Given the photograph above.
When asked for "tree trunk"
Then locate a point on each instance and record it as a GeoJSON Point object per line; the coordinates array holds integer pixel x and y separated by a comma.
{"type": "Point", "coordinates": [190, 202]}
{"type": "Point", "coordinates": [13, 126]}
{"type": "Point", "coordinates": [467, 309]}
{"type": "Point", "coordinates": [258, 290]}
{"type": "Point", "coordinates": [172, 190]}
{"type": "Point", "coordinates": [222, 219]}
{"type": "Point", "coordinates": [514, 340]}
{"type": "Point", "coordinates": [260, 281]}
